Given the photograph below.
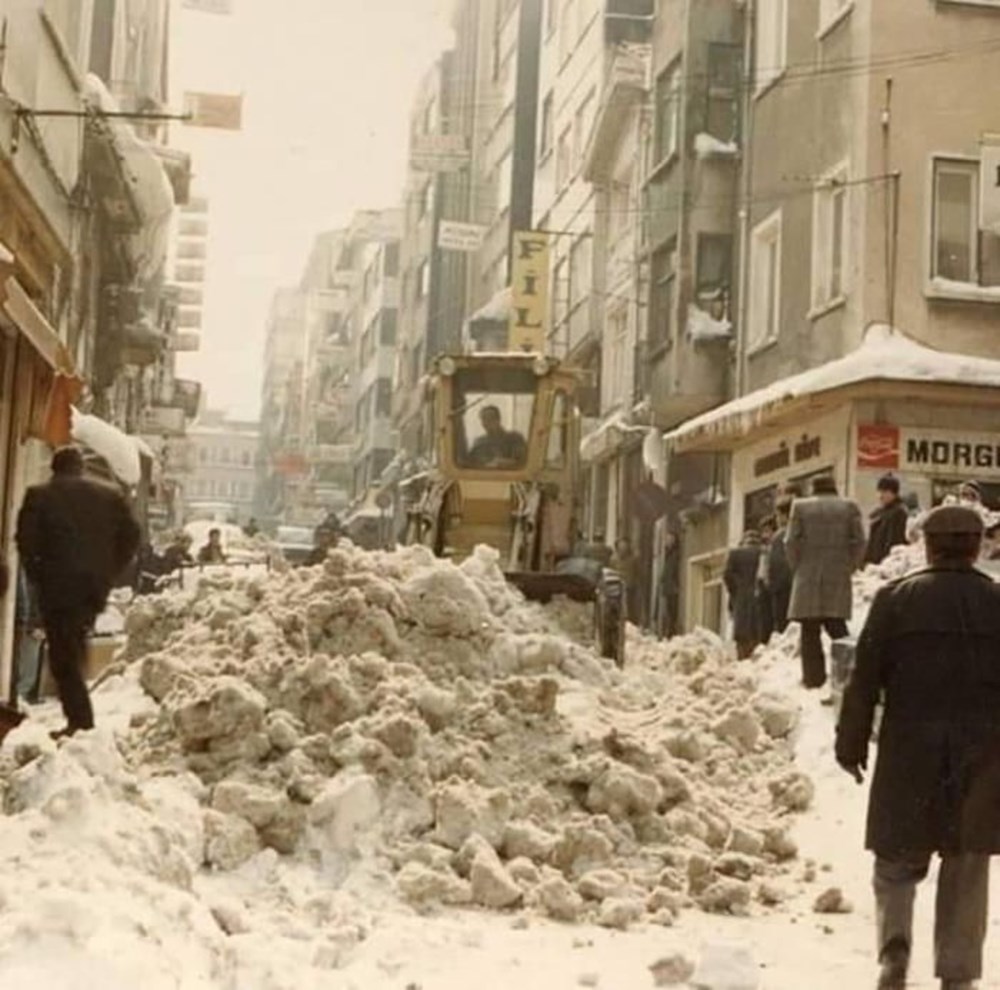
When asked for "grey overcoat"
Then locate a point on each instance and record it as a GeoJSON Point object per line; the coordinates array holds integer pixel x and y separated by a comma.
{"type": "Point", "coordinates": [825, 545]}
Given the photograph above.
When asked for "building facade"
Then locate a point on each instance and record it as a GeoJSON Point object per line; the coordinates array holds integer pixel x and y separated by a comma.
{"type": "Point", "coordinates": [222, 459]}
{"type": "Point", "coordinates": [866, 237]}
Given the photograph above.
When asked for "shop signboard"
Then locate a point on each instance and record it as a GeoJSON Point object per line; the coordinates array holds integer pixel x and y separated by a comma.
{"type": "Point", "coordinates": [912, 450]}
{"type": "Point", "coordinates": [455, 236]}
{"type": "Point", "coordinates": [529, 317]}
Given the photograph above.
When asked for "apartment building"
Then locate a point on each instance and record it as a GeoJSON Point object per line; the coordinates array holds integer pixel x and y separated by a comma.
{"type": "Point", "coordinates": [371, 252]}
{"type": "Point", "coordinates": [222, 457]}
{"type": "Point", "coordinates": [870, 262]}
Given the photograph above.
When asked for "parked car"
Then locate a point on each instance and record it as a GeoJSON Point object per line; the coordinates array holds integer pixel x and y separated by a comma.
{"type": "Point", "coordinates": [295, 543]}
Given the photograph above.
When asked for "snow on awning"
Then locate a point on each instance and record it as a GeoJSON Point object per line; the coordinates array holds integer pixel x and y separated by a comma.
{"type": "Point", "coordinates": [608, 437]}
{"type": "Point", "coordinates": [147, 176]}
{"type": "Point", "coordinates": [106, 440]}
{"type": "Point", "coordinates": [498, 309]}
{"type": "Point", "coordinates": [885, 355]}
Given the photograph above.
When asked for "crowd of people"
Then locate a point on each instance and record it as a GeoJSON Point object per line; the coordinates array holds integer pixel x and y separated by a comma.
{"type": "Point", "coordinates": [797, 563]}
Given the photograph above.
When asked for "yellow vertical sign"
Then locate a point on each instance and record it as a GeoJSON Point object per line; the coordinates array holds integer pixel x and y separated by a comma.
{"type": "Point", "coordinates": [529, 318]}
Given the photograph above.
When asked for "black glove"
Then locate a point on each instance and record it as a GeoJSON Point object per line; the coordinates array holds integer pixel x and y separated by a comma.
{"type": "Point", "coordinates": [855, 766]}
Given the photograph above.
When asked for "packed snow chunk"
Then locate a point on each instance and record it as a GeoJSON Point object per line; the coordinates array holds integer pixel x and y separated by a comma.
{"type": "Point", "coordinates": [523, 839]}
{"type": "Point", "coordinates": [399, 733]}
{"type": "Point", "coordinates": [438, 706]}
{"type": "Point", "coordinates": [492, 885]}
{"type": "Point", "coordinates": [725, 966]}
{"type": "Point", "coordinates": [779, 843]}
{"type": "Point", "coordinates": [463, 809]}
{"type": "Point", "coordinates": [160, 674]}
{"type": "Point", "coordinates": [621, 793]}
{"type": "Point", "coordinates": [748, 841]}
{"type": "Point", "coordinates": [258, 805]}
{"type": "Point", "coordinates": [347, 809]}
{"type": "Point", "coordinates": [672, 971]}
{"type": "Point", "coordinates": [231, 916]}
{"type": "Point", "coordinates": [581, 848]}
{"type": "Point", "coordinates": [445, 602]}
{"type": "Point", "coordinates": [793, 792]}
{"type": "Point", "coordinates": [726, 896]}
{"type": "Point", "coordinates": [423, 886]}
{"type": "Point", "coordinates": [320, 693]}
{"type": "Point", "coordinates": [740, 728]}
{"type": "Point", "coordinates": [778, 715]}
{"type": "Point", "coordinates": [527, 695]}
{"type": "Point", "coordinates": [225, 708]}
{"type": "Point", "coordinates": [737, 865]}
{"type": "Point", "coordinates": [229, 840]}
{"type": "Point", "coordinates": [832, 901]}
{"type": "Point", "coordinates": [620, 912]}
{"type": "Point", "coordinates": [558, 899]}
{"type": "Point", "coordinates": [599, 885]}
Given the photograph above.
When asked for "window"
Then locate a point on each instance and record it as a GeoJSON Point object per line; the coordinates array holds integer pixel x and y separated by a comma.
{"type": "Point", "coordinates": [713, 274]}
{"type": "Point", "coordinates": [426, 202]}
{"type": "Point", "coordinates": [661, 309]}
{"type": "Point", "coordinates": [225, 455]}
{"type": "Point", "coordinates": [564, 158]}
{"type": "Point", "coordinates": [722, 112]}
{"type": "Point", "coordinates": [580, 271]}
{"type": "Point", "coordinates": [765, 281]}
{"type": "Point", "coordinates": [830, 239]}
{"type": "Point", "coordinates": [423, 280]}
{"type": "Point", "coordinates": [581, 128]}
{"type": "Point", "coordinates": [547, 132]}
{"type": "Point", "coordinates": [390, 263]}
{"type": "Point", "coordinates": [387, 328]}
{"type": "Point", "coordinates": [668, 114]}
{"type": "Point", "coordinates": [956, 208]}
{"type": "Point", "coordinates": [245, 458]}
{"type": "Point", "coordinates": [383, 397]}
{"type": "Point", "coordinates": [203, 455]}
{"type": "Point", "coordinates": [772, 41]}
{"type": "Point", "coordinates": [619, 208]}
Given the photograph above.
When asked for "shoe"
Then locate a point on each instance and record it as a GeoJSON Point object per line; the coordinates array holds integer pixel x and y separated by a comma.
{"type": "Point", "coordinates": [895, 960]}
{"type": "Point", "coordinates": [62, 734]}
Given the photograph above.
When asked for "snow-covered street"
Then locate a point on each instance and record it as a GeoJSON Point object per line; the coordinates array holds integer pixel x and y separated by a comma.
{"type": "Point", "coordinates": [148, 851]}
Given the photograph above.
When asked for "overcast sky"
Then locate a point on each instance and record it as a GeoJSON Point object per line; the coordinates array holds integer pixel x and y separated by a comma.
{"type": "Point", "coordinates": [328, 86]}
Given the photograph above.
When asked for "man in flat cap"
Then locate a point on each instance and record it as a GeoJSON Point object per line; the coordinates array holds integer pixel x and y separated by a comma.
{"type": "Point", "coordinates": [931, 651]}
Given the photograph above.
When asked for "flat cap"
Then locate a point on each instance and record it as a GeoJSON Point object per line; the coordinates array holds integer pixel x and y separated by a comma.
{"type": "Point", "coordinates": [950, 519]}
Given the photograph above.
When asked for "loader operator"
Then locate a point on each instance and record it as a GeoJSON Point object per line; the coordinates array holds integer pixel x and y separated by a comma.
{"type": "Point", "coordinates": [497, 447]}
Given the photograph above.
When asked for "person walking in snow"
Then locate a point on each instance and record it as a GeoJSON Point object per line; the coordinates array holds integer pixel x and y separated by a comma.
{"type": "Point", "coordinates": [887, 526]}
{"type": "Point", "coordinates": [75, 537]}
{"type": "Point", "coordinates": [740, 579]}
{"type": "Point", "coordinates": [212, 552]}
{"type": "Point", "coordinates": [931, 649]}
{"type": "Point", "coordinates": [825, 545]}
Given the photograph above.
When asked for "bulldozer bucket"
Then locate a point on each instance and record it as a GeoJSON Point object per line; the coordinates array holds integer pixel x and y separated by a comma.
{"type": "Point", "coordinates": [543, 587]}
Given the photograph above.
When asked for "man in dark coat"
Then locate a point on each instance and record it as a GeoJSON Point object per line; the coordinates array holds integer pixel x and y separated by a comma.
{"type": "Point", "coordinates": [779, 571]}
{"type": "Point", "coordinates": [931, 646]}
{"type": "Point", "coordinates": [825, 545]}
{"type": "Point", "coordinates": [740, 579]}
{"type": "Point", "coordinates": [75, 537]}
{"type": "Point", "coordinates": [887, 525]}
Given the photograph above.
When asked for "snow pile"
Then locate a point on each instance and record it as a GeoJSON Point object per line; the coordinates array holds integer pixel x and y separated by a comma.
{"type": "Point", "coordinates": [422, 722]}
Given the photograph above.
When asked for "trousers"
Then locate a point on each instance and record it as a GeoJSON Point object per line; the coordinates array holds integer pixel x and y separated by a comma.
{"type": "Point", "coordinates": [27, 654]}
{"type": "Point", "coordinates": [811, 648]}
{"type": "Point", "coordinates": [66, 629]}
{"type": "Point", "coordinates": [960, 913]}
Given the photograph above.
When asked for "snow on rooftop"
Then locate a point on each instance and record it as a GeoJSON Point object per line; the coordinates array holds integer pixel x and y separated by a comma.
{"type": "Point", "coordinates": [885, 354]}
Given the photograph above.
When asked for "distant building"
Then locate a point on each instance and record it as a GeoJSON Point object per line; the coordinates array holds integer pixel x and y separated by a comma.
{"type": "Point", "coordinates": [222, 460]}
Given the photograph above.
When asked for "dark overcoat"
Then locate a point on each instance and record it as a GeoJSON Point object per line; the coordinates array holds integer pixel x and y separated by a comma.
{"type": "Point", "coordinates": [887, 529]}
{"type": "Point", "coordinates": [825, 543]}
{"type": "Point", "coordinates": [932, 645]}
{"type": "Point", "coordinates": [75, 537]}
{"type": "Point", "coordinates": [740, 578]}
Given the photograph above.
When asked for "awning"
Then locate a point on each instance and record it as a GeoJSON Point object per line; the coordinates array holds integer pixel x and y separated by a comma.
{"type": "Point", "coordinates": [31, 322]}
{"type": "Point", "coordinates": [119, 449]}
{"type": "Point", "coordinates": [886, 358]}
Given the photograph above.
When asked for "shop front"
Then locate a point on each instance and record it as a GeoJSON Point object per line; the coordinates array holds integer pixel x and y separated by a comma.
{"type": "Point", "coordinates": [930, 418]}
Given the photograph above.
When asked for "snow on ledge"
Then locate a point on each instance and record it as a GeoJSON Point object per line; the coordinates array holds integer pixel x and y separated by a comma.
{"type": "Point", "coordinates": [885, 354]}
{"type": "Point", "coordinates": [709, 146]}
{"type": "Point", "coordinates": [702, 326]}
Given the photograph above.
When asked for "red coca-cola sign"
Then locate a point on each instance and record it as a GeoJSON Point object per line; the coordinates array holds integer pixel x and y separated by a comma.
{"type": "Point", "coordinates": [878, 447]}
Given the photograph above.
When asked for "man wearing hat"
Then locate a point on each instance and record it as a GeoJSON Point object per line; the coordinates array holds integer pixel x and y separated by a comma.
{"type": "Point", "coordinates": [931, 650]}
{"type": "Point", "coordinates": [825, 544]}
{"type": "Point", "coordinates": [887, 525]}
